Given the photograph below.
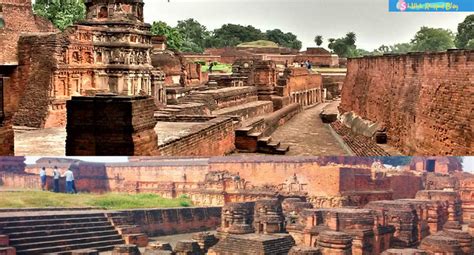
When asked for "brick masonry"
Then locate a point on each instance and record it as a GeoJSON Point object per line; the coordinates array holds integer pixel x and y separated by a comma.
{"type": "Point", "coordinates": [111, 125]}
{"type": "Point", "coordinates": [424, 99]}
{"type": "Point", "coordinates": [213, 138]}
{"type": "Point", "coordinates": [158, 222]}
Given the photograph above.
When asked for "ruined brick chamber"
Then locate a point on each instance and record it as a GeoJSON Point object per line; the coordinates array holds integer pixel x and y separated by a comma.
{"type": "Point", "coordinates": [260, 205]}
{"type": "Point", "coordinates": [422, 100]}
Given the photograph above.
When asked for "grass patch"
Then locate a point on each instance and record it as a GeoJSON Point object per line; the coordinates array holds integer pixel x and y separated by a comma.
{"type": "Point", "coordinates": [330, 70]}
{"type": "Point", "coordinates": [38, 199]}
{"type": "Point", "coordinates": [225, 68]}
{"type": "Point", "coordinates": [259, 44]}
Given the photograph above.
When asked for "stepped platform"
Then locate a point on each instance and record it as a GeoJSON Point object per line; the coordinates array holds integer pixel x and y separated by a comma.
{"type": "Point", "coordinates": [362, 145]}
{"type": "Point", "coordinates": [247, 110]}
{"type": "Point", "coordinates": [254, 135]}
{"type": "Point", "coordinates": [254, 244]}
{"type": "Point", "coordinates": [62, 232]}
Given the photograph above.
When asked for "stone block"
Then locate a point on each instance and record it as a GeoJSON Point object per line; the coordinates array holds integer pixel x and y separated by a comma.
{"type": "Point", "coordinates": [126, 249]}
{"type": "Point", "coordinates": [141, 240]}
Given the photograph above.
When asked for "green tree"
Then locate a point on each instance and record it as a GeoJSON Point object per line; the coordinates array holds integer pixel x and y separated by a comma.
{"type": "Point", "coordinates": [288, 40]}
{"type": "Point", "coordinates": [344, 46]}
{"type": "Point", "coordinates": [465, 35]}
{"type": "Point", "coordinates": [433, 39]}
{"type": "Point", "coordinates": [232, 35]}
{"type": "Point", "coordinates": [401, 48]}
{"type": "Point", "coordinates": [194, 35]}
{"type": "Point", "coordinates": [395, 160]}
{"type": "Point", "coordinates": [318, 40]}
{"type": "Point", "coordinates": [62, 13]}
{"type": "Point", "coordinates": [470, 44]}
{"type": "Point", "coordinates": [174, 39]}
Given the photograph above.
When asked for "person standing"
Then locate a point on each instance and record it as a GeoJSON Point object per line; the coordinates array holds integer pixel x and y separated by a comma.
{"type": "Point", "coordinates": [69, 181]}
{"type": "Point", "coordinates": [42, 175]}
{"type": "Point", "coordinates": [56, 176]}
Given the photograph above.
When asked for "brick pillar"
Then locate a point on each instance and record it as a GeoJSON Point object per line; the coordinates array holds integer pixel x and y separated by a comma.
{"type": "Point", "coordinates": [111, 125]}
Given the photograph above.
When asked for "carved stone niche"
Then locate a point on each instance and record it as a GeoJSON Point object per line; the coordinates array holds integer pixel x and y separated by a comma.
{"type": "Point", "coordinates": [268, 216]}
{"type": "Point", "coordinates": [237, 218]}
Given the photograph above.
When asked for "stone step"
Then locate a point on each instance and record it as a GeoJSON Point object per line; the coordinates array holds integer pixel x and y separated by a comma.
{"type": "Point", "coordinates": [68, 242]}
{"type": "Point", "coordinates": [45, 238]}
{"type": "Point", "coordinates": [66, 249]}
{"type": "Point", "coordinates": [282, 149]}
{"type": "Point", "coordinates": [50, 216]}
{"type": "Point", "coordinates": [14, 229]}
{"type": "Point", "coordinates": [51, 221]}
{"type": "Point", "coordinates": [62, 231]}
{"type": "Point", "coordinates": [99, 249]}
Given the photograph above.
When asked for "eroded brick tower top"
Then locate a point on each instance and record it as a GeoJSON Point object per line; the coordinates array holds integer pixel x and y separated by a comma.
{"type": "Point", "coordinates": [114, 10]}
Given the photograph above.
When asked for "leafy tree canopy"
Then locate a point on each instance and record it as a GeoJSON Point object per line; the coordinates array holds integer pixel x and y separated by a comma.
{"type": "Point", "coordinates": [318, 40]}
{"type": "Point", "coordinates": [174, 39]}
{"type": "Point", "coordinates": [194, 35]}
{"type": "Point", "coordinates": [465, 35]}
{"type": "Point", "coordinates": [344, 46]}
{"type": "Point", "coordinates": [288, 40]}
{"type": "Point", "coordinates": [395, 160]}
{"type": "Point", "coordinates": [62, 13]}
{"type": "Point", "coordinates": [433, 39]}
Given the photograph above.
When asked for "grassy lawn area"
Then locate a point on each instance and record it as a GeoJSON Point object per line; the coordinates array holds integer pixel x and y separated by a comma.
{"type": "Point", "coordinates": [226, 68]}
{"type": "Point", "coordinates": [38, 199]}
{"type": "Point", "coordinates": [330, 70]}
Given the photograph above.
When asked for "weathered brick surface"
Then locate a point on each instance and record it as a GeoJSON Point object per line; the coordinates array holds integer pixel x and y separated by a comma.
{"type": "Point", "coordinates": [157, 222]}
{"type": "Point", "coordinates": [37, 60]}
{"type": "Point", "coordinates": [18, 16]}
{"type": "Point", "coordinates": [425, 99]}
{"type": "Point", "coordinates": [110, 125]}
{"type": "Point", "coordinates": [6, 139]}
{"type": "Point", "coordinates": [215, 138]}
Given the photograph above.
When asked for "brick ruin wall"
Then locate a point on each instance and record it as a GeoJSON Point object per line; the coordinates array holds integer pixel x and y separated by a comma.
{"type": "Point", "coordinates": [425, 100]}
{"type": "Point", "coordinates": [111, 125]}
{"type": "Point", "coordinates": [304, 87]}
{"type": "Point", "coordinates": [159, 222]}
{"type": "Point", "coordinates": [319, 60]}
{"type": "Point", "coordinates": [36, 64]}
{"type": "Point", "coordinates": [176, 178]}
{"type": "Point", "coordinates": [216, 138]}
{"type": "Point", "coordinates": [6, 138]}
{"type": "Point", "coordinates": [18, 16]}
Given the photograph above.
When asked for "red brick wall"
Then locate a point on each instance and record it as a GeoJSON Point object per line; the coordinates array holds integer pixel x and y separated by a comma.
{"type": "Point", "coordinates": [301, 80]}
{"type": "Point", "coordinates": [158, 222]}
{"type": "Point", "coordinates": [19, 18]}
{"type": "Point", "coordinates": [321, 180]}
{"type": "Point", "coordinates": [37, 62]}
{"type": "Point", "coordinates": [217, 139]}
{"type": "Point", "coordinates": [405, 186]}
{"type": "Point", "coordinates": [424, 99]}
{"type": "Point", "coordinates": [6, 139]}
{"type": "Point", "coordinates": [109, 125]}
{"type": "Point", "coordinates": [319, 60]}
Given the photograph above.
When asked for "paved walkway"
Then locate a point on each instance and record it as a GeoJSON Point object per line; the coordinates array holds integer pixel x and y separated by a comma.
{"type": "Point", "coordinates": [307, 135]}
{"type": "Point", "coordinates": [40, 142]}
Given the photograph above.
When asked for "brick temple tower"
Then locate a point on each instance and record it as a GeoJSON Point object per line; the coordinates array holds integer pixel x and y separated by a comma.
{"type": "Point", "coordinates": [16, 17]}
{"type": "Point", "coordinates": [108, 52]}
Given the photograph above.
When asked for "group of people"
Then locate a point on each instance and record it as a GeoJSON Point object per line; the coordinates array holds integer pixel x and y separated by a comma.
{"type": "Point", "coordinates": [69, 175]}
{"type": "Point", "coordinates": [306, 64]}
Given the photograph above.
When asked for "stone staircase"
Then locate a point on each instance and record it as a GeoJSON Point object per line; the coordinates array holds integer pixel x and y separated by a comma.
{"type": "Point", "coordinates": [254, 244]}
{"type": "Point", "coordinates": [252, 138]}
{"type": "Point", "coordinates": [60, 233]}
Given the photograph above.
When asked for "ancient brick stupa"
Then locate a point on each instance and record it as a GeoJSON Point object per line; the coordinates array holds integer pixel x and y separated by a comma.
{"type": "Point", "coordinates": [107, 52]}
